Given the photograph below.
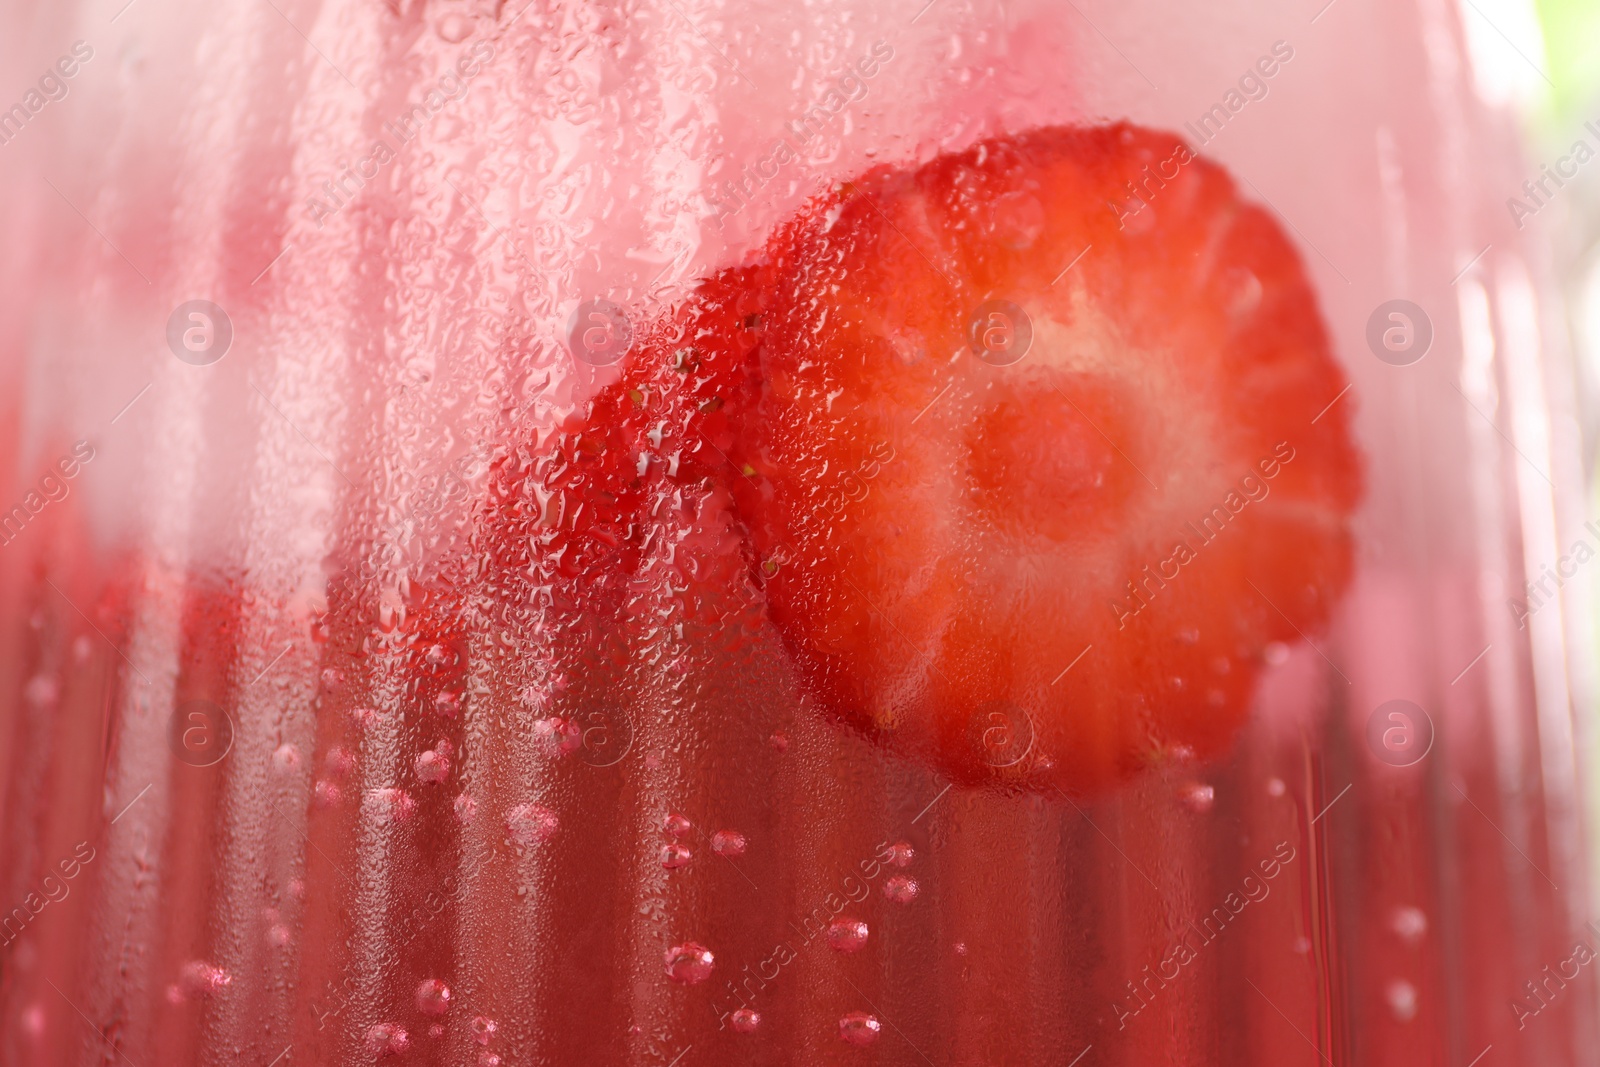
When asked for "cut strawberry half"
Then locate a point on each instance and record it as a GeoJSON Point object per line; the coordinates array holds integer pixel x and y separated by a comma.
{"type": "Point", "coordinates": [1032, 479]}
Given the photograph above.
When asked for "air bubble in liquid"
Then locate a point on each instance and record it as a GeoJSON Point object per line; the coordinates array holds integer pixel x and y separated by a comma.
{"type": "Point", "coordinates": [286, 759]}
{"type": "Point", "coordinates": [847, 935]}
{"type": "Point", "coordinates": [199, 980]}
{"type": "Point", "coordinates": [530, 823]}
{"type": "Point", "coordinates": [390, 804]}
{"type": "Point", "coordinates": [689, 962]}
{"type": "Point", "coordinates": [558, 736]}
{"type": "Point", "coordinates": [455, 27]}
{"type": "Point", "coordinates": [42, 691]}
{"type": "Point", "coordinates": [433, 997]}
{"type": "Point", "coordinates": [1198, 797]}
{"type": "Point", "coordinates": [859, 1028]}
{"type": "Point", "coordinates": [900, 889]}
{"type": "Point", "coordinates": [1409, 924]}
{"type": "Point", "coordinates": [1402, 998]}
{"type": "Point", "coordinates": [728, 843]}
{"type": "Point", "coordinates": [338, 762]}
{"type": "Point", "coordinates": [432, 767]}
{"type": "Point", "coordinates": [387, 1039]}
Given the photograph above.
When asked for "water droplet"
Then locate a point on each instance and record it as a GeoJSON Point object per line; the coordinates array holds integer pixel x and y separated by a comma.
{"type": "Point", "coordinates": [859, 1028]}
{"type": "Point", "coordinates": [432, 767]}
{"type": "Point", "coordinates": [745, 1020]}
{"type": "Point", "coordinates": [900, 889]}
{"type": "Point", "coordinates": [433, 997]}
{"type": "Point", "coordinates": [1409, 924]}
{"type": "Point", "coordinates": [728, 843]}
{"type": "Point", "coordinates": [455, 27]}
{"type": "Point", "coordinates": [1198, 797]}
{"type": "Point", "coordinates": [531, 823]}
{"type": "Point", "coordinates": [676, 825]}
{"type": "Point", "coordinates": [675, 856]}
{"type": "Point", "coordinates": [689, 962]}
{"type": "Point", "coordinates": [1402, 998]}
{"type": "Point", "coordinates": [847, 935]}
{"type": "Point", "coordinates": [1276, 788]}
{"type": "Point", "coordinates": [483, 1029]}
{"type": "Point", "coordinates": [901, 854]}
{"type": "Point", "coordinates": [387, 1039]}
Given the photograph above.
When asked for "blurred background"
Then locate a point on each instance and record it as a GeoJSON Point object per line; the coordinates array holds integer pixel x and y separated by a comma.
{"type": "Point", "coordinates": [1556, 96]}
{"type": "Point", "coordinates": [1561, 112]}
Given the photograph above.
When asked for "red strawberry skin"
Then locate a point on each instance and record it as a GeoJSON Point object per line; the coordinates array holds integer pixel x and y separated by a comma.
{"type": "Point", "coordinates": [1009, 568]}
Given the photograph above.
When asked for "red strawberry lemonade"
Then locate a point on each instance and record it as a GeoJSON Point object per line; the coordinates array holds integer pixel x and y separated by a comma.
{"type": "Point", "coordinates": [954, 575]}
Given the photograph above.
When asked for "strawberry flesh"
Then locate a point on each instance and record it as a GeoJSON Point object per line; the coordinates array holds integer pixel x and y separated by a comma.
{"type": "Point", "coordinates": [1043, 550]}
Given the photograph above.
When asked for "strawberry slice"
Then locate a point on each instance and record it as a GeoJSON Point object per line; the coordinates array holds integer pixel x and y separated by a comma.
{"type": "Point", "coordinates": [1031, 478]}
{"type": "Point", "coordinates": [1037, 478]}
